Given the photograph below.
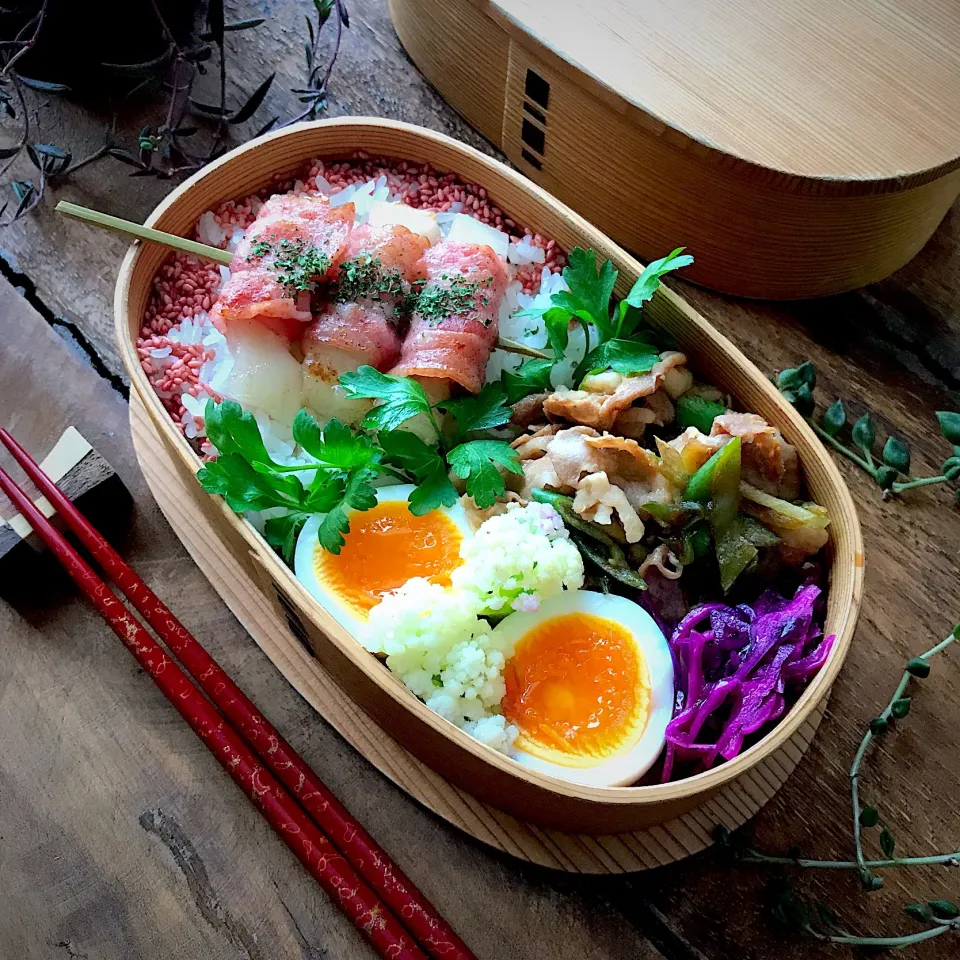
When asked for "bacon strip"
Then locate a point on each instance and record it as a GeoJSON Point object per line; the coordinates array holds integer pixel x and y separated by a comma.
{"type": "Point", "coordinates": [380, 265]}
{"type": "Point", "coordinates": [453, 333]}
{"type": "Point", "coordinates": [285, 228]}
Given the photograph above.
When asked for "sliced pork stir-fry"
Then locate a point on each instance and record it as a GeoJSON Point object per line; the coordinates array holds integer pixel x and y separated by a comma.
{"type": "Point", "coordinates": [769, 462]}
{"type": "Point", "coordinates": [608, 474]}
{"type": "Point", "coordinates": [625, 405]}
{"type": "Point", "coordinates": [619, 484]}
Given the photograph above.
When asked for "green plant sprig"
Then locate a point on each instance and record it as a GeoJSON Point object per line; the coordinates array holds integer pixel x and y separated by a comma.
{"type": "Point", "coordinates": [942, 916]}
{"type": "Point", "coordinates": [165, 149]}
{"type": "Point", "coordinates": [466, 448]}
{"type": "Point", "coordinates": [819, 921]}
{"type": "Point", "coordinates": [896, 709]}
{"type": "Point", "coordinates": [621, 344]}
{"type": "Point", "coordinates": [892, 471]}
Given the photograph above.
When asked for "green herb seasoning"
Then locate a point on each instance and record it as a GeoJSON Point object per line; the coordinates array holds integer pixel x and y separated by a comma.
{"type": "Point", "coordinates": [301, 264]}
{"type": "Point", "coordinates": [435, 303]}
{"type": "Point", "coordinates": [297, 264]}
{"type": "Point", "coordinates": [364, 278]}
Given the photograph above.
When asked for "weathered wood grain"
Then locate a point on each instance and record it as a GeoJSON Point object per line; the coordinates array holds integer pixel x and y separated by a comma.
{"type": "Point", "coordinates": [88, 747]}
{"type": "Point", "coordinates": [122, 838]}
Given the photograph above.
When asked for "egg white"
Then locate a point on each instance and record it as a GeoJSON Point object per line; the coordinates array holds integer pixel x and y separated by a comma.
{"type": "Point", "coordinates": [629, 765]}
{"type": "Point", "coordinates": [308, 545]}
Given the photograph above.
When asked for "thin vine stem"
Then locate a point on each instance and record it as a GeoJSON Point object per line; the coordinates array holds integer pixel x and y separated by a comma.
{"type": "Point", "coordinates": [920, 482]}
{"type": "Point", "coordinates": [755, 856]}
{"type": "Point", "coordinates": [865, 744]}
{"type": "Point", "coordinates": [890, 943]}
{"type": "Point", "coordinates": [28, 45]}
{"type": "Point", "coordinates": [841, 448]}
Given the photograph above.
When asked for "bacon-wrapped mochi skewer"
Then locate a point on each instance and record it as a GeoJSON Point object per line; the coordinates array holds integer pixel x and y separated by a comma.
{"type": "Point", "coordinates": [265, 303]}
{"type": "Point", "coordinates": [454, 326]}
{"type": "Point", "coordinates": [359, 326]}
{"type": "Point", "coordinates": [294, 243]}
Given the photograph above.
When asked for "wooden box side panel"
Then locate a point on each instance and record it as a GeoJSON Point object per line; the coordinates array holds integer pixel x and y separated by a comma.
{"type": "Point", "coordinates": [752, 233]}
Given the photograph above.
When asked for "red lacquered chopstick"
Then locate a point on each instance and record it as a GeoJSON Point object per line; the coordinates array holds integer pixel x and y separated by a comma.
{"type": "Point", "coordinates": [366, 856]}
{"type": "Point", "coordinates": [297, 830]}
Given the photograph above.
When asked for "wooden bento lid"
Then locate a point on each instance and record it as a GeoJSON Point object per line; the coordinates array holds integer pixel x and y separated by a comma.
{"type": "Point", "coordinates": [847, 89]}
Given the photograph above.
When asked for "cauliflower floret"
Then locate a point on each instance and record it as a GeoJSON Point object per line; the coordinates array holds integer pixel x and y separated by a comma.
{"type": "Point", "coordinates": [441, 650]}
{"type": "Point", "coordinates": [434, 637]}
{"type": "Point", "coordinates": [494, 732]}
{"type": "Point", "coordinates": [518, 559]}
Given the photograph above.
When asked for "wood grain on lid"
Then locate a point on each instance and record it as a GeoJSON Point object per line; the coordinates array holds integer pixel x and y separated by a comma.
{"type": "Point", "coordinates": [853, 89]}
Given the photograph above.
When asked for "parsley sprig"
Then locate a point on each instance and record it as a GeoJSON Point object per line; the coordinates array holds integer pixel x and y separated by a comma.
{"type": "Point", "coordinates": [476, 460]}
{"type": "Point", "coordinates": [620, 344]}
{"type": "Point", "coordinates": [248, 479]}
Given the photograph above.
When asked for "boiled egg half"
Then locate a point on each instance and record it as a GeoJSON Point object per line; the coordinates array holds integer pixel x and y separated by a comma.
{"type": "Point", "coordinates": [589, 687]}
{"type": "Point", "coordinates": [386, 546]}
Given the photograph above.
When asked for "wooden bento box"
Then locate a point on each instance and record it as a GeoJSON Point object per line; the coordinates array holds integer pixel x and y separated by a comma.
{"type": "Point", "coordinates": [801, 148]}
{"type": "Point", "coordinates": [451, 752]}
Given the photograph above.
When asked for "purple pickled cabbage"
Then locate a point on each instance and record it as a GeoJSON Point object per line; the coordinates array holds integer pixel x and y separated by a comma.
{"type": "Point", "coordinates": [736, 670]}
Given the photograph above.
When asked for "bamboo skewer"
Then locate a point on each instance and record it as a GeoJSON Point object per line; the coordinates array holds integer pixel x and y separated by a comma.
{"type": "Point", "coordinates": [118, 225]}
{"type": "Point", "coordinates": [128, 227]}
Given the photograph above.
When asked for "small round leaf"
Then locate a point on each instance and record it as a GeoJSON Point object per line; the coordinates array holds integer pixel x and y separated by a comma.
{"type": "Point", "coordinates": [956, 632]}
{"type": "Point", "coordinates": [803, 399]}
{"type": "Point", "coordinates": [864, 433]}
{"type": "Point", "coordinates": [918, 667]}
{"type": "Point", "coordinates": [869, 817]}
{"type": "Point", "coordinates": [919, 911]}
{"type": "Point", "coordinates": [901, 707]}
{"type": "Point", "coordinates": [896, 454]}
{"type": "Point", "coordinates": [794, 377]}
{"type": "Point", "coordinates": [827, 916]}
{"type": "Point", "coordinates": [887, 843]}
{"type": "Point", "coordinates": [944, 909]}
{"type": "Point", "coordinates": [878, 725]}
{"type": "Point", "coordinates": [834, 418]}
{"type": "Point", "coordinates": [949, 425]}
{"type": "Point", "coordinates": [886, 477]}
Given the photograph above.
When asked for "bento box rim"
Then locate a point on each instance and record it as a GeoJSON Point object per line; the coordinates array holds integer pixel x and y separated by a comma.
{"type": "Point", "coordinates": [704, 783]}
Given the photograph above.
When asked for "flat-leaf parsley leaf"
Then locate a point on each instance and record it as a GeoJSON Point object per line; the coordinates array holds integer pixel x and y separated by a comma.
{"type": "Point", "coordinates": [477, 462]}
{"type": "Point", "coordinates": [402, 397]}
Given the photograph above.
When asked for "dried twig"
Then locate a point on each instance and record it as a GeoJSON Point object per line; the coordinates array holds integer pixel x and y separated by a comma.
{"type": "Point", "coordinates": [163, 150]}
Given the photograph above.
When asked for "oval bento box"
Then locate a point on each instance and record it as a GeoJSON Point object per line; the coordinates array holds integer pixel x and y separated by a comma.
{"type": "Point", "coordinates": [525, 793]}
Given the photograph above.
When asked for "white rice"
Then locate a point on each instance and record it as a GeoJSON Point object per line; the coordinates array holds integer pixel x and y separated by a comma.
{"type": "Point", "coordinates": [523, 252]}
{"type": "Point", "coordinates": [531, 331]}
{"type": "Point", "coordinates": [209, 231]}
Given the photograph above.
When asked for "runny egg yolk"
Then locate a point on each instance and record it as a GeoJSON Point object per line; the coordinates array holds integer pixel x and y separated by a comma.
{"type": "Point", "coordinates": [578, 690]}
{"type": "Point", "coordinates": [385, 547]}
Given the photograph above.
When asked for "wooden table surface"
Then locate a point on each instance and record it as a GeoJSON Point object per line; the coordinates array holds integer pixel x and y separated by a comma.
{"type": "Point", "coordinates": [120, 837]}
